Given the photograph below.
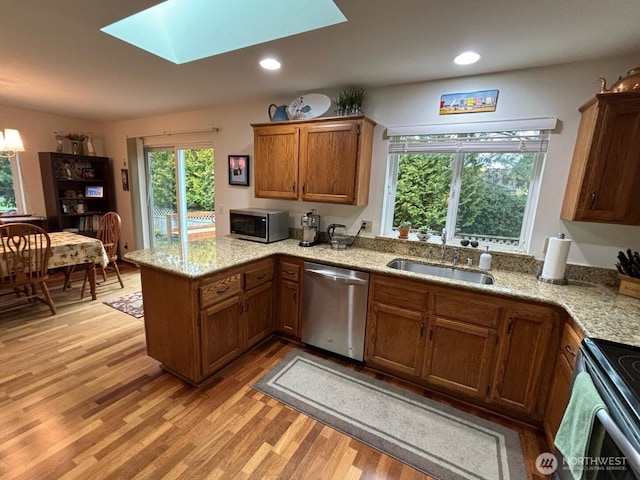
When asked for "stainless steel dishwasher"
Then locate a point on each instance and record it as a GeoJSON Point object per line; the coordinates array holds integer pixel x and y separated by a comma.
{"type": "Point", "coordinates": [334, 309]}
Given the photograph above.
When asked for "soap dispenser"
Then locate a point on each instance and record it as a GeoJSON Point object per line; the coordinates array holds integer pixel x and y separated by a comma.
{"type": "Point", "coordinates": [485, 260]}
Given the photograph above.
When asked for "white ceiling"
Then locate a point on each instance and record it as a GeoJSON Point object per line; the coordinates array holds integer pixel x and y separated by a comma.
{"type": "Point", "coordinates": [55, 59]}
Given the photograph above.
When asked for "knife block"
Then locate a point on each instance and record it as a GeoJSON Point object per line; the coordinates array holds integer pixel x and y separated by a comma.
{"type": "Point", "coordinates": [629, 286]}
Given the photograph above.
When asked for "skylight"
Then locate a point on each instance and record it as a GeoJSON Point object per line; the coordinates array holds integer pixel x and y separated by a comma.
{"type": "Point", "coordinates": [186, 30]}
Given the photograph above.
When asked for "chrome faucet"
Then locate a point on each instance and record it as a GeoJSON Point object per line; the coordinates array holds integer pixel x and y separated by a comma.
{"type": "Point", "coordinates": [456, 257]}
{"type": "Point", "coordinates": [443, 251]}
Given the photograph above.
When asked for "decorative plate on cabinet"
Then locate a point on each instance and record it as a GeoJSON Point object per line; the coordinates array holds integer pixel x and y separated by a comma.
{"type": "Point", "coordinates": [310, 105]}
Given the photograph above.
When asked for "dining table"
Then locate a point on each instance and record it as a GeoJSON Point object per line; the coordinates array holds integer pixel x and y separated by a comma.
{"type": "Point", "coordinates": [69, 249]}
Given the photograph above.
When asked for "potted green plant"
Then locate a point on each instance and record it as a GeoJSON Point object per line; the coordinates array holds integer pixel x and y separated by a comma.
{"type": "Point", "coordinates": [404, 228]}
{"type": "Point", "coordinates": [350, 101]}
{"type": "Point", "coordinates": [423, 233]}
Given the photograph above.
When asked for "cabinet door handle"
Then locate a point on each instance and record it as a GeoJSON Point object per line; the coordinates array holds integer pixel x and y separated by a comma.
{"type": "Point", "coordinates": [304, 188]}
{"type": "Point", "coordinates": [241, 308]}
{"type": "Point", "coordinates": [593, 200]}
{"type": "Point", "coordinates": [431, 333]}
{"type": "Point", "coordinates": [289, 272]}
{"type": "Point", "coordinates": [222, 290]}
{"type": "Point", "coordinates": [260, 277]}
{"type": "Point", "coordinates": [509, 325]}
{"type": "Point", "coordinates": [421, 329]}
{"type": "Point", "coordinates": [246, 305]}
{"type": "Point", "coordinates": [295, 296]}
{"type": "Point", "coordinates": [570, 350]}
{"type": "Point", "coordinates": [293, 187]}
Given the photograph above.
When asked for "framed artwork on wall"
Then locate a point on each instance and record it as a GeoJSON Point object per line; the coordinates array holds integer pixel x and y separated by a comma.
{"type": "Point", "coordinates": [469, 102]}
{"type": "Point", "coordinates": [239, 170]}
{"type": "Point", "coordinates": [124, 173]}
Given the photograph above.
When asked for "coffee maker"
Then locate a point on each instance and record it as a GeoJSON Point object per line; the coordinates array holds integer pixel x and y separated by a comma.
{"type": "Point", "coordinates": [310, 229]}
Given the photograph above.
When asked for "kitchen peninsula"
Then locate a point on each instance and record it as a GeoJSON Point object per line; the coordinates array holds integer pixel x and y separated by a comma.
{"type": "Point", "coordinates": [209, 301]}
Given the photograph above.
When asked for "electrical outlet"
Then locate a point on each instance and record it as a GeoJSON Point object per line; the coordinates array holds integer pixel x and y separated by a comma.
{"type": "Point", "coordinates": [366, 226]}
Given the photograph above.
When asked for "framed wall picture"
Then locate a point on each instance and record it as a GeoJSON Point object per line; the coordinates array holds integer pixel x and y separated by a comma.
{"type": "Point", "coordinates": [124, 173]}
{"type": "Point", "coordinates": [239, 170]}
{"type": "Point", "coordinates": [469, 102]}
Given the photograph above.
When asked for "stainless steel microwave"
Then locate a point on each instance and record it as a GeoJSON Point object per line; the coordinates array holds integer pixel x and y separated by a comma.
{"type": "Point", "coordinates": [259, 225]}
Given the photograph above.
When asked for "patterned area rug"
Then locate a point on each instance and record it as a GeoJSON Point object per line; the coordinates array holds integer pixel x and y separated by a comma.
{"type": "Point", "coordinates": [131, 304]}
{"type": "Point", "coordinates": [436, 439]}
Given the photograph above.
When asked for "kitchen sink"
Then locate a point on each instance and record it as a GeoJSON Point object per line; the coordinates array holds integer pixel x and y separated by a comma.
{"type": "Point", "coordinates": [441, 271]}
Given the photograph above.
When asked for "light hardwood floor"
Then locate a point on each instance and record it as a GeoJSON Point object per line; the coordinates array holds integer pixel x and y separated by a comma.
{"type": "Point", "coordinates": [80, 399]}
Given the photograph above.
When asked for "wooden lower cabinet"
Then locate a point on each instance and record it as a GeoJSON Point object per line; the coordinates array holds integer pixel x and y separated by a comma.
{"type": "Point", "coordinates": [289, 296]}
{"type": "Point", "coordinates": [196, 326]}
{"type": "Point", "coordinates": [289, 308]}
{"type": "Point", "coordinates": [396, 325]}
{"type": "Point", "coordinates": [496, 352]}
{"type": "Point", "coordinates": [221, 334]}
{"type": "Point", "coordinates": [460, 356]}
{"type": "Point", "coordinates": [486, 349]}
{"type": "Point", "coordinates": [395, 339]}
{"type": "Point", "coordinates": [258, 312]}
{"type": "Point", "coordinates": [560, 388]}
{"type": "Point", "coordinates": [525, 359]}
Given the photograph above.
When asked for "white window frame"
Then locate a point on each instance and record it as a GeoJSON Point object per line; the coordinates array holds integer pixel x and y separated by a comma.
{"type": "Point", "coordinates": [18, 184]}
{"type": "Point", "coordinates": [542, 124]}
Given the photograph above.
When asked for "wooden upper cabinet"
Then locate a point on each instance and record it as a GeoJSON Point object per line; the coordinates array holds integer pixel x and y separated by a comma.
{"type": "Point", "coordinates": [321, 160]}
{"type": "Point", "coordinates": [329, 162]}
{"type": "Point", "coordinates": [276, 150]}
{"type": "Point", "coordinates": [605, 169]}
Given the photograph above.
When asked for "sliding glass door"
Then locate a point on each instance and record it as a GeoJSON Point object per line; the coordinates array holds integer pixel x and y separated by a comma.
{"type": "Point", "coordinates": [181, 196]}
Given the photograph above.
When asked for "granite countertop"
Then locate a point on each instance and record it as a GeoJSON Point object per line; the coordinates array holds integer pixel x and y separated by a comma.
{"type": "Point", "coordinates": [599, 310]}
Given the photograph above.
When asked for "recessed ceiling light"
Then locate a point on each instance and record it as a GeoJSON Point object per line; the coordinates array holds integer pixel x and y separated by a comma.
{"type": "Point", "coordinates": [467, 58]}
{"type": "Point", "coordinates": [270, 64]}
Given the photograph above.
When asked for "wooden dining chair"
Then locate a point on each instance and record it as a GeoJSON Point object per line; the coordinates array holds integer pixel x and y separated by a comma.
{"type": "Point", "coordinates": [24, 258]}
{"type": "Point", "coordinates": [109, 234]}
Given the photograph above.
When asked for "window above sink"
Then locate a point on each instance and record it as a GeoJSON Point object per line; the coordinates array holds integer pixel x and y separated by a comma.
{"type": "Point", "coordinates": [479, 181]}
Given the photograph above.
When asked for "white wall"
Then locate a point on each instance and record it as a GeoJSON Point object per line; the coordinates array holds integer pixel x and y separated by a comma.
{"type": "Point", "coordinates": [554, 91]}
{"type": "Point", "coordinates": [37, 132]}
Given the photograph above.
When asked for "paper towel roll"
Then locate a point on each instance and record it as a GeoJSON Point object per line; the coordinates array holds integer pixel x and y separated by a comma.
{"type": "Point", "coordinates": [555, 263]}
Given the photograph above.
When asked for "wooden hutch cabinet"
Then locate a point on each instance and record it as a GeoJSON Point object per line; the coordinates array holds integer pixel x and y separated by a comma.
{"type": "Point", "coordinates": [78, 190]}
{"type": "Point", "coordinates": [321, 160]}
{"type": "Point", "coordinates": [605, 169]}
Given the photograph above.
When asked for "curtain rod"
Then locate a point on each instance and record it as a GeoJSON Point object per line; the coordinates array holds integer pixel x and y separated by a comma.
{"type": "Point", "coordinates": [175, 132]}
